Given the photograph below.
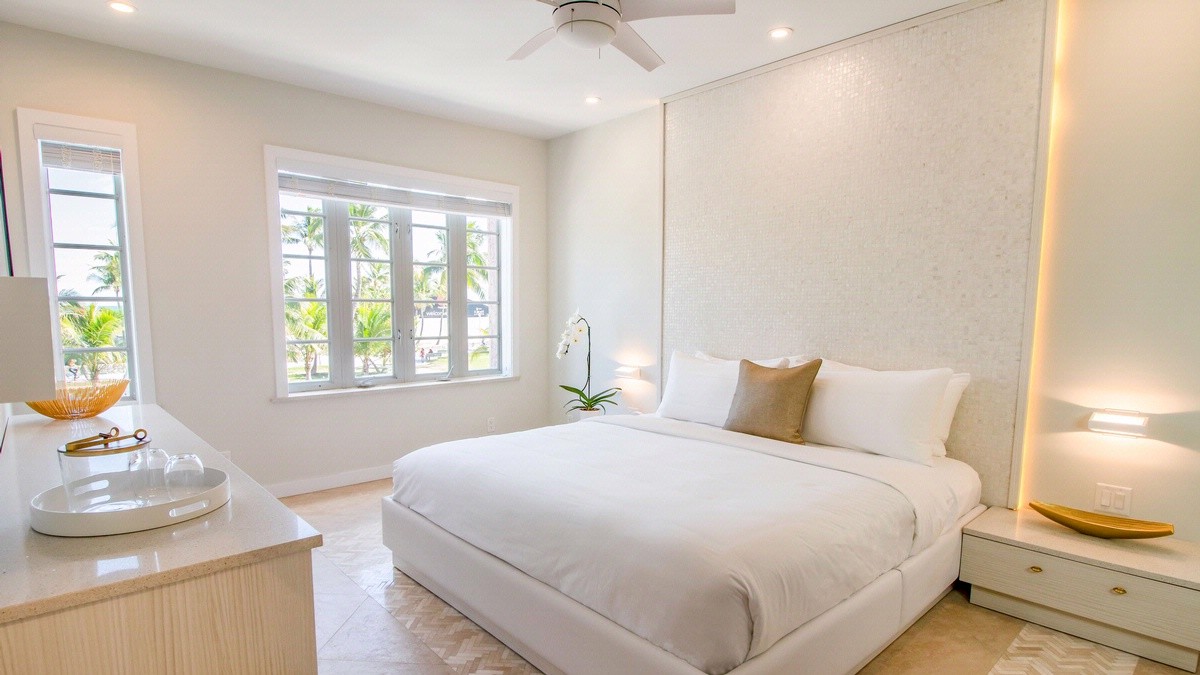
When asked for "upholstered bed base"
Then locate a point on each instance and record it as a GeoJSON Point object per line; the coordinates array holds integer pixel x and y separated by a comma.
{"type": "Point", "coordinates": [559, 635]}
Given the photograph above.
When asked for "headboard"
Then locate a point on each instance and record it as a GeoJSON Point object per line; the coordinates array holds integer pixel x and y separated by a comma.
{"type": "Point", "coordinates": [873, 204]}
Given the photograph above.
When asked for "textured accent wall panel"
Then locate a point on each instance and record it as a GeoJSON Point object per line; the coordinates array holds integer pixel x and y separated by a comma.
{"type": "Point", "coordinates": [872, 205]}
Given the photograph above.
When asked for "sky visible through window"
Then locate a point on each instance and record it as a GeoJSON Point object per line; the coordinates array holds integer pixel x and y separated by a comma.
{"type": "Point", "coordinates": [85, 216]}
{"type": "Point", "coordinates": [374, 291]}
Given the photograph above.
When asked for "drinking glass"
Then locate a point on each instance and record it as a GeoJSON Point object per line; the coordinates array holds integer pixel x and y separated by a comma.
{"type": "Point", "coordinates": [184, 475]}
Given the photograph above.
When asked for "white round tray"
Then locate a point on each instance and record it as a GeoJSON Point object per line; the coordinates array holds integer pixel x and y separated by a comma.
{"type": "Point", "coordinates": [116, 507]}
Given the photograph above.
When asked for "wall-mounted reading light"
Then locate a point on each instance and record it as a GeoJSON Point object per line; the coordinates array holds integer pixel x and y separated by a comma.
{"type": "Point", "coordinates": [1121, 422]}
{"type": "Point", "coordinates": [630, 372]}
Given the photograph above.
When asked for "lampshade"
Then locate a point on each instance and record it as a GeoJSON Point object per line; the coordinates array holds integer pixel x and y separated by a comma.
{"type": "Point", "coordinates": [590, 25]}
{"type": "Point", "coordinates": [26, 343]}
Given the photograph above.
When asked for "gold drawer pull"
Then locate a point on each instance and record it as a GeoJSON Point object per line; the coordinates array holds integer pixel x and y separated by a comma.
{"type": "Point", "coordinates": [1035, 569]}
{"type": "Point", "coordinates": [1117, 590]}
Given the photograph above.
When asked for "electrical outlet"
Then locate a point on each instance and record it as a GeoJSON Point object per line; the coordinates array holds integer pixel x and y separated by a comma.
{"type": "Point", "coordinates": [1114, 499]}
{"type": "Point", "coordinates": [491, 425]}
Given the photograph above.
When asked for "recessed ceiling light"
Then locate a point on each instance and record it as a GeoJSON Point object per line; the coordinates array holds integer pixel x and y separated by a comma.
{"type": "Point", "coordinates": [780, 33]}
{"type": "Point", "coordinates": [123, 7]}
{"type": "Point", "coordinates": [592, 100]}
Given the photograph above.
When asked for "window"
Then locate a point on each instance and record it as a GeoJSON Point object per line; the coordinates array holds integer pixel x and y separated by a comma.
{"type": "Point", "coordinates": [79, 186]}
{"type": "Point", "coordinates": [387, 275]}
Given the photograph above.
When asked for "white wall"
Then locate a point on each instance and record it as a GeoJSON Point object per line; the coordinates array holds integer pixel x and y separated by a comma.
{"type": "Point", "coordinates": [871, 203]}
{"type": "Point", "coordinates": [1119, 309]}
{"type": "Point", "coordinates": [605, 206]}
{"type": "Point", "coordinates": [201, 134]}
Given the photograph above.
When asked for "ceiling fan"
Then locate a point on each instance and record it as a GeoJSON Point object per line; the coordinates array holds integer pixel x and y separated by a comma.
{"type": "Point", "coordinates": [591, 24]}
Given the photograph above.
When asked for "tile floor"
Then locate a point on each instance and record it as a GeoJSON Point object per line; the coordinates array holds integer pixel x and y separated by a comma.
{"type": "Point", "coordinates": [371, 619]}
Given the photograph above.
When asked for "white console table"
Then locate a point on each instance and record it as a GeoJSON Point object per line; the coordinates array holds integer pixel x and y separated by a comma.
{"type": "Point", "coordinates": [229, 592]}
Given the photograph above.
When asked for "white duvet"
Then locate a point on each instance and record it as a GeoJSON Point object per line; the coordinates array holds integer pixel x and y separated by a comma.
{"type": "Point", "coordinates": [708, 543]}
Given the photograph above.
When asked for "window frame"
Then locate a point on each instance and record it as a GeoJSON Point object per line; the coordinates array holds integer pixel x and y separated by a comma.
{"type": "Point", "coordinates": [340, 307]}
{"type": "Point", "coordinates": [33, 244]}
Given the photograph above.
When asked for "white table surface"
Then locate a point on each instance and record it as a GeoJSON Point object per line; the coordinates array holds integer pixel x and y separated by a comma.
{"type": "Point", "coordinates": [40, 573]}
{"type": "Point", "coordinates": [1167, 559]}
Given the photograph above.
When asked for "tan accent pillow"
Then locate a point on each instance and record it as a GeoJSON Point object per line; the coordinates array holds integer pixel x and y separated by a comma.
{"type": "Point", "coordinates": [771, 402]}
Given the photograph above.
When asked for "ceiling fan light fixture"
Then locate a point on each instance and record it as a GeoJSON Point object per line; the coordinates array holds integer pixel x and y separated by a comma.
{"type": "Point", "coordinates": [589, 25]}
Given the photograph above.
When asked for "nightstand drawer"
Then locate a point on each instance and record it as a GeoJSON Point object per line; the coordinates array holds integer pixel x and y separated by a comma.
{"type": "Point", "coordinates": [1160, 610]}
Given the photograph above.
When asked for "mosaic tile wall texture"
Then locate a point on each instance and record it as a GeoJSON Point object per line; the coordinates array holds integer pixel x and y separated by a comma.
{"type": "Point", "coordinates": [871, 205]}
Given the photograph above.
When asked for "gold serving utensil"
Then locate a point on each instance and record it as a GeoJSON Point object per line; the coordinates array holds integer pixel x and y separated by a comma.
{"type": "Point", "coordinates": [105, 444]}
{"type": "Point", "coordinates": [84, 442]}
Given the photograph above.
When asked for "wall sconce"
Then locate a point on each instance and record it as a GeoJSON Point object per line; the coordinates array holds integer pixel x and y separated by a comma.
{"type": "Point", "coordinates": [1120, 422]}
{"type": "Point", "coordinates": [629, 372]}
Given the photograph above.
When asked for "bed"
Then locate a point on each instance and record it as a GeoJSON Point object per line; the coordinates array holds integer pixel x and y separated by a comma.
{"type": "Point", "coordinates": [646, 544]}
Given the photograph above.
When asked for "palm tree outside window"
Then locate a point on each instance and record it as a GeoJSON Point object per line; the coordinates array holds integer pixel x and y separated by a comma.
{"type": "Point", "coordinates": [84, 191]}
{"type": "Point", "coordinates": [355, 260]}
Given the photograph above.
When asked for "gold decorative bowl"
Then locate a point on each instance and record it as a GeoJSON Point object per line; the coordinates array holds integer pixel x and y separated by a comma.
{"type": "Point", "coordinates": [78, 400]}
{"type": "Point", "coordinates": [1102, 525]}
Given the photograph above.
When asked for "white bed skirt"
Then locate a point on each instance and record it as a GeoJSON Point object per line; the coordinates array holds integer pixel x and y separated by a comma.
{"type": "Point", "coordinates": [558, 635]}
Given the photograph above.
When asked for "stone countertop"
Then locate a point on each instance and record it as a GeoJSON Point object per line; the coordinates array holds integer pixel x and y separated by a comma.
{"type": "Point", "coordinates": [40, 573]}
{"type": "Point", "coordinates": [1167, 559]}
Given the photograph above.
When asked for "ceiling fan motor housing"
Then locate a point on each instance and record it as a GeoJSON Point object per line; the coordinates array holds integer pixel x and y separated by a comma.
{"type": "Point", "coordinates": [586, 23]}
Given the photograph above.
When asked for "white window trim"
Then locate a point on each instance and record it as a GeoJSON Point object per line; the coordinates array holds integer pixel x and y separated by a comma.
{"type": "Point", "coordinates": [344, 168]}
{"type": "Point", "coordinates": [32, 245]}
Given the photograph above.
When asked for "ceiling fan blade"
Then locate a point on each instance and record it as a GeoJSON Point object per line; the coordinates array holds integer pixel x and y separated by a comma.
{"type": "Point", "coordinates": [535, 43]}
{"type": "Point", "coordinates": [632, 10]}
{"type": "Point", "coordinates": [632, 45]}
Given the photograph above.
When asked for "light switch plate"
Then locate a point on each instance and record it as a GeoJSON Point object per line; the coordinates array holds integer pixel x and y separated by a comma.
{"type": "Point", "coordinates": [1113, 499]}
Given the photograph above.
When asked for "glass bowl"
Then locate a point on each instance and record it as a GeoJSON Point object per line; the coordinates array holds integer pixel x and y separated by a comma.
{"type": "Point", "coordinates": [78, 400]}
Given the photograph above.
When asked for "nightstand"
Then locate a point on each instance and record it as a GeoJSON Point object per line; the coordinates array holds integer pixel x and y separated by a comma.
{"type": "Point", "coordinates": [1140, 596]}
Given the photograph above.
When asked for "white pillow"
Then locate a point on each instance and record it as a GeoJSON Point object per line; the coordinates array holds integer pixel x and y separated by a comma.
{"type": "Point", "coordinates": [890, 413]}
{"type": "Point", "coordinates": [945, 415]}
{"type": "Point", "coordinates": [954, 391]}
{"type": "Point", "coordinates": [700, 390]}
{"type": "Point", "coordinates": [773, 362]}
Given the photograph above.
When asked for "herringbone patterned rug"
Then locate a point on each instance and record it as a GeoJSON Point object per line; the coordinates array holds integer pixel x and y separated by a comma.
{"type": "Point", "coordinates": [462, 645]}
{"type": "Point", "coordinates": [352, 531]}
{"type": "Point", "coordinates": [1041, 651]}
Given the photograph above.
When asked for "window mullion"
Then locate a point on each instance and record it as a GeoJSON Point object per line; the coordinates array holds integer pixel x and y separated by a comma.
{"type": "Point", "coordinates": [402, 292]}
{"type": "Point", "coordinates": [439, 332]}
{"type": "Point", "coordinates": [498, 322]}
{"type": "Point", "coordinates": [457, 309]}
{"type": "Point", "coordinates": [126, 291]}
{"type": "Point", "coordinates": [340, 310]}
{"type": "Point", "coordinates": [49, 266]}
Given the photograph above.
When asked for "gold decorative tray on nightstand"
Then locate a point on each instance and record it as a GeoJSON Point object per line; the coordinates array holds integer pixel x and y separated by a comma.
{"type": "Point", "coordinates": [1103, 525]}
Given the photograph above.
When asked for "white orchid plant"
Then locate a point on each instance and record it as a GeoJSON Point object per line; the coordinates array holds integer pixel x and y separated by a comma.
{"type": "Point", "coordinates": [579, 329]}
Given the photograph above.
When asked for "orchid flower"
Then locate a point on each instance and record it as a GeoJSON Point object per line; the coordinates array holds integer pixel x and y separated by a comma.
{"type": "Point", "coordinates": [578, 328]}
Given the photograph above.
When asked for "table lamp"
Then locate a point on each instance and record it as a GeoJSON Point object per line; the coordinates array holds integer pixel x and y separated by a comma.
{"type": "Point", "coordinates": [26, 343]}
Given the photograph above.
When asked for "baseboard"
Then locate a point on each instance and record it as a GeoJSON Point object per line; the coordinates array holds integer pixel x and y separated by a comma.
{"type": "Point", "coordinates": [318, 483]}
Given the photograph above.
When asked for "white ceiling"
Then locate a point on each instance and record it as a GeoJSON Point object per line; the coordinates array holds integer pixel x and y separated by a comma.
{"type": "Point", "coordinates": [448, 58]}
